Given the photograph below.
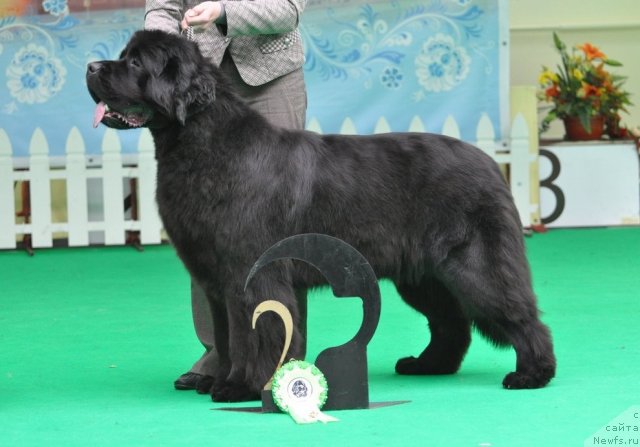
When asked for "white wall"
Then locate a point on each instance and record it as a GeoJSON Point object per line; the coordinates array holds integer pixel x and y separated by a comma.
{"type": "Point", "coordinates": [612, 25]}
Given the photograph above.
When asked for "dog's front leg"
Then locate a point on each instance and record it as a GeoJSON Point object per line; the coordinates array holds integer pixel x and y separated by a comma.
{"type": "Point", "coordinates": [221, 340]}
{"type": "Point", "coordinates": [231, 384]}
{"type": "Point", "coordinates": [254, 353]}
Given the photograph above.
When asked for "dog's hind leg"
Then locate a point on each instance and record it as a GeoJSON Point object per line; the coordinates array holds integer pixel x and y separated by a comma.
{"type": "Point", "coordinates": [450, 329]}
{"type": "Point", "coordinates": [494, 288]}
{"type": "Point", "coordinates": [531, 339]}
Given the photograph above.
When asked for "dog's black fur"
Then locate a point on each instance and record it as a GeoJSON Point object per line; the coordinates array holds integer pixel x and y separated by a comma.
{"type": "Point", "coordinates": [429, 212]}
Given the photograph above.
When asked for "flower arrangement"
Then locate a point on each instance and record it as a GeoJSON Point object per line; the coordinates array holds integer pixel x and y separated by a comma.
{"type": "Point", "coordinates": [583, 88]}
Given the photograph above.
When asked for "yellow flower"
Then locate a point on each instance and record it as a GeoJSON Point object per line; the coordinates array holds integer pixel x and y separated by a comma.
{"type": "Point", "coordinates": [577, 73]}
{"type": "Point", "coordinates": [548, 77]}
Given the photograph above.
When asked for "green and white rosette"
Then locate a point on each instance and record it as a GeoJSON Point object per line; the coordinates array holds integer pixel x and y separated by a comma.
{"type": "Point", "coordinates": [300, 389]}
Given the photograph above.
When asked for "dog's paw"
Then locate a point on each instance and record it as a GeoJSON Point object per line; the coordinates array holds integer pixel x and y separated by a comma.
{"type": "Point", "coordinates": [230, 392]}
{"type": "Point", "coordinates": [412, 366]}
{"type": "Point", "coordinates": [520, 381]}
{"type": "Point", "coordinates": [204, 385]}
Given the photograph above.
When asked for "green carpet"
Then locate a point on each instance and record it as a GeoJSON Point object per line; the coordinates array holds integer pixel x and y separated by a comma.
{"type": "Point", "coordinates": [91, 340]}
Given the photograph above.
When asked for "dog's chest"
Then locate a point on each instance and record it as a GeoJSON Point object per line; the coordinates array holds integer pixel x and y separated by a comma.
{"type": "Point", "coordinates": [187, 198]}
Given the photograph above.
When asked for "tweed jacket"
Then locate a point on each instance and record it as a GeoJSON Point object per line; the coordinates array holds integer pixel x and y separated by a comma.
{"type": "Point", "coordinates": [261, 36]}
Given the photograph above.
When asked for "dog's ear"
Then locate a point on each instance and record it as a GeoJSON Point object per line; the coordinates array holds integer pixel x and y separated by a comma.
{"type": "Point", "coordinates": [195, 83]}
{"type": "Point", "coordinates": [181, 81]}
{"type": "Point", "coordinates": [197, 92]}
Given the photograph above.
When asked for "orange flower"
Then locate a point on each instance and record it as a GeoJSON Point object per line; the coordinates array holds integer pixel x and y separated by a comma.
{"type": "Point", "coordinates": [608, 86]}
{"type": "Point", "coordinates": [588, 90]}
{"type": "Point", "coordinates": [592, 90]}
{"type": "Point", "coordinates": [602, 73]}
{"type": "Point", "coordinates": [552, 92]}
{"type": "Point", "coordinates": [592, 52]}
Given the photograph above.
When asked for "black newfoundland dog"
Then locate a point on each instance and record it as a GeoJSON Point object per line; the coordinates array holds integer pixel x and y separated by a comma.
{"type": "Point", "coordinates": [429, 212]}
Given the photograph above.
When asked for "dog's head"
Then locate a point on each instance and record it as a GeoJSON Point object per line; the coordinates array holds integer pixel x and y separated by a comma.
{"type": "Point", "coordinates": [158, 80]}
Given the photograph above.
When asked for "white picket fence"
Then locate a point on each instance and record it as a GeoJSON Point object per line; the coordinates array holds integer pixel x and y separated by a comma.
{"type": "Point", "coordinates": [76, 171]}
{"type": "Point", "coordinates": [112, 170]}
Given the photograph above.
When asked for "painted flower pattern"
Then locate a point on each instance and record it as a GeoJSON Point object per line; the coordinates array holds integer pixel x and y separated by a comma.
{"type": "Point", "coordinates": [442, 64]}
{"type": "Point", "coordinates": [55, 7]}
{"type": "Point", "coordinates": [391, 77]}
{"type": "Point", "coordinates": [34, 76]}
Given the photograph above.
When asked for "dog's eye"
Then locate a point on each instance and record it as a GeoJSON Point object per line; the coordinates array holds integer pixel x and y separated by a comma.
{"type": "Point", "coordinates": [135, 63]}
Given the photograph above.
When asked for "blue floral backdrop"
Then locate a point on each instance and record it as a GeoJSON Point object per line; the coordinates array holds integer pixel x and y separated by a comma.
{"type": "Point", "coordinates": [365, 60]}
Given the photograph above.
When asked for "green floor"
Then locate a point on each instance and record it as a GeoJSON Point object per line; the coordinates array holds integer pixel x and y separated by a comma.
{"type": "Point", "coordinates": [91, 340]}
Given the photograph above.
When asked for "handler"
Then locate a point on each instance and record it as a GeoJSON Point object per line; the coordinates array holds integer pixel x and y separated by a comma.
{"type": "Point", "coordinates": [258, 45]}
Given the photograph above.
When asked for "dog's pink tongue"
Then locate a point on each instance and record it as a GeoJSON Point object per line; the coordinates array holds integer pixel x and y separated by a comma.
{"type": "Point", "coordinates": [99, 113]}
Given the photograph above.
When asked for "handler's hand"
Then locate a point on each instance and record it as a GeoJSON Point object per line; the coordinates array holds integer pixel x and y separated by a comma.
{"type": "Point", "coordinates": [201, 16]}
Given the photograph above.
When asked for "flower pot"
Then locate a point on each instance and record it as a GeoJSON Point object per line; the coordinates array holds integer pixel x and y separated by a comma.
{"type": "Point", "coordinates": [613, 128]}
{"type": "Point", "coordinates": [576, 131]}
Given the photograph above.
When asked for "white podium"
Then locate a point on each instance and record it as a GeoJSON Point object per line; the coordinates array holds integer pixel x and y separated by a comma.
{"type": "Point", "coordinates": [589, 184]}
